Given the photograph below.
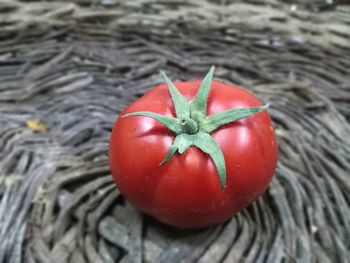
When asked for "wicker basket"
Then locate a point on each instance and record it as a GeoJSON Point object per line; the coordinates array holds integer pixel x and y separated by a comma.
{"type": "Point", "coordinates": [67, 68]}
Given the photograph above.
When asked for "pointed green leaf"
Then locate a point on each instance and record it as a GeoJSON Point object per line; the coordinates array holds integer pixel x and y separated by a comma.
{"type": "Point", "coordinates": [171, 123]}
{"type": "Point", "coordinates": [181, 143]}
{"type": "Point", "coordinates": [199, 104]}
{"type": "Point", "coordinates": [170, 153]}
{"type": "Point", "coordinates": [207, 144]}
{"type": "Point", "coordinates": [212, 122]}
{"type": "Point", "coordinates": [181, 105]}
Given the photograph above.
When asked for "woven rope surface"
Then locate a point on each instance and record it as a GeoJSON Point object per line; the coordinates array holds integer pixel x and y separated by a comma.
{"type": "Point", "coordinates": [75, 65]}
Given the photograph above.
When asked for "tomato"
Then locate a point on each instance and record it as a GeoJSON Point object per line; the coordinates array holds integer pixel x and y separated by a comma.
{"type": "Point", "coordinates": [186, 190]}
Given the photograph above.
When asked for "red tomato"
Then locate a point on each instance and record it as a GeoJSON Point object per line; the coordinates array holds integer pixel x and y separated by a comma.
{"type": "Point", "coordinates": [185, 192]}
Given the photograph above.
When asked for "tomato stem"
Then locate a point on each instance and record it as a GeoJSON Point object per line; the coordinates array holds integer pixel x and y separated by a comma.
{"type": "Point", "coordinates": [189, 126]}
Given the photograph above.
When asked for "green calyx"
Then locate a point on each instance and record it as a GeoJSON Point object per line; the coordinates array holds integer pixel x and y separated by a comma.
{"type": "Point", "coordinates": [193, 127]}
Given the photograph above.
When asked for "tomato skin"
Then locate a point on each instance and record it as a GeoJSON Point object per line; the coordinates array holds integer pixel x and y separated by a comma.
{"type": "Point", "coordinates": [185, 192]}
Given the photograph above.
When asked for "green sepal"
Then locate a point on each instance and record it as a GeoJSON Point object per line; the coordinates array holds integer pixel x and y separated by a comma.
{"type": "Point", "coordinates": [181, 105]}
{"type": "Point", "coordinates": [181, 143]}
{"type": "Point", "coordinates": [199, 104]}
{"type": "Point", "coordinates": [171, 123]}
{"type": "Point", "coordinates": [205, 143]}
{"type": "Point", "coordinates": [212, 122]}
{"type": "Point", "coordinates": [172, 150]}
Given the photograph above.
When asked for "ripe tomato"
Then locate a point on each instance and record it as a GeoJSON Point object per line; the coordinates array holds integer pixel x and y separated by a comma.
{"type": "Point", "coordinates": [185, 191]}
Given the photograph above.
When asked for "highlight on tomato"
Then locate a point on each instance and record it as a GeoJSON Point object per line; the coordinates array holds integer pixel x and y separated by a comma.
{"type": "Point", "coordinates": [192, 154]}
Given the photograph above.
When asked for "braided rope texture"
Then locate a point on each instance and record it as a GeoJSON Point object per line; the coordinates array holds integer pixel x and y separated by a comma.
{"type": "Point", "coordinates": [67, 68]}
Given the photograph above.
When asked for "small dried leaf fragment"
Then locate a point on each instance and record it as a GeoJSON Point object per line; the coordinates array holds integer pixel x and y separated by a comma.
{"type": "Point", "coordinates": [36, 125]}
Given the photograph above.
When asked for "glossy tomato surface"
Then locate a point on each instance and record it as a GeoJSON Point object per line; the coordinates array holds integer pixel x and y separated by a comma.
{"type": "Point", "coordinates": [185, 192]}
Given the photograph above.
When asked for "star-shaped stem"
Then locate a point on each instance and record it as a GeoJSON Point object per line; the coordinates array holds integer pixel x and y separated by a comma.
{"type": "Point", "coordinates": [193, 127]}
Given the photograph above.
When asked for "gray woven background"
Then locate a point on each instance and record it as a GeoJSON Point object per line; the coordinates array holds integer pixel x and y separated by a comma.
{"type": "Point", "coordinates": [74, 65]}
